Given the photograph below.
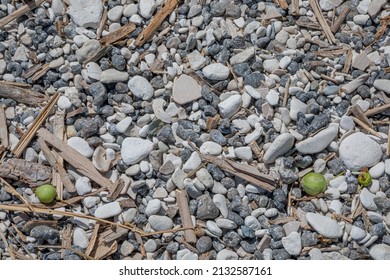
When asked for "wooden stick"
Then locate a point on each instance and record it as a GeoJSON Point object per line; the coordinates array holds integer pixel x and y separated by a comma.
{"type": "Point", "coordinates": [147, 33]}
{"type": "Point", "coordinates": [78, 161]}
{"type": "Point", "coordinates": [97, 55]}
{"type": "Point", "coordinates": [185, 215]}
{"type": "Point", "coordinates": [10, 189]}
{"type": "Point", "coordinates": [348, 61]}
{"type": "Point", "coordinates": [116, 189]}
{"type": "Point", "coordinates": [295, 7]}
{"type": "Point", "coordinates": [41, 72]}
{"type": "Point", "coordinates": [286, 93]}
{"type": "Point", "coordinates": [3, 128]}
{"type": "Point", "coordinates": [31, 71]}
{"type": "Point", "coordinates": [377, 110]}
{"type": "Point", "coordinates": [317, 12]}
{"type": "Point", "coordinates": [283, 4]}
{"type": "Point", "coordinates": [308, 24]}
{"type": "Point", "coordinates": [366, 127]}
{"type": "Point", "coordinates": [19, 12]}
{"type": "Point", "coordinates": [340, 19]}
{"type": "Point", "coordinates": [58, 130]}
{"type": "Point", "coordinates": [92, 241]}
{"type": "Point", "coordinates": [21, 95]}
{"type": "Point", "coordinates": [101, 24]}
{"type": "Point", "coordinates": [118, 34]}
{"type": "Point", "coordinates": [29, 135]}
{"type": "Point", "coordinates": [358, 113]}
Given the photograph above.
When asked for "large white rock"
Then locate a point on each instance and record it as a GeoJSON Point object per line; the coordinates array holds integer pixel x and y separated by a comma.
{"type": "Point", "coordinates": [113, 76]}
{"type": "Point", "coordinates": [135, 149]}
{"type": "Point", "coordinates": [86, 13]}
{"type": "Point", "coordinates": [80, 145]}
{"type": "Point", "coordinates": [230, 106]}
{"type": "Point", "coordinates": [382, 84]}
{"type": "Point", "coordinates": [380, 252]}
{"type": "Point", "coordinates": [108, 210]}
{"type": "Point", "coordinates": [281, 145]}
{"type": "Point", "coordinates": [216, 71]}
{"type": "Point", "coordinates": [146, 8]}
{"type": "Point", "coordinates": [141, 87]}
{"type": "Point", "coordinates": [324, 225]}
{"type": "Point", "coordinates": [358, 150]}
{"type": "Point", "coordinates": [318, 142]}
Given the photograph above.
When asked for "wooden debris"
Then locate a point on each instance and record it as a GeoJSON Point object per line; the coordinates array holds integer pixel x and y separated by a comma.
{"type": "Point", "coordinates": [281, 221]}
{"type": "Point", "coordinates": [29, 135]}
{"type": "Point", "coordinates": [20, 94]}
{"type": "Point", "coordinates": [3, 128]}
{"type": "Point", "coordinates": [33, 174]}
{"type": "Point", "coordinates": [308, 24]}
{"type": "Point", "coordinates": [19, 12]}
{"type": "Point", "coordinates": [283, 4]}
{"type": "Point", "coordinates": [31, 71]}
{"type": "Point", "coordinates": [92, 240]}
{"type": "Point", "coordinates": [256, 150]}
{"type": "Point", "coordinates": [76, 112]}
{"type": "Point", "coordinates": [317, 12]}
{"type": "Point", "coordinates": [116, 189]}
{"type": "Point", "coordinates": [97, 55]}
{"type": "Point", "coordinates": [156, 22]}
{"type": "Point", "coordinates": [78, 161]}
{"type": "Point", "coordinates": [388, 143]}
{"type": "Point", "coordinates": [348, 61]}
{"type": "Point", "coordinates": [366, 127]}
{"type": "Point", "coordinates": [58, 131]}
{"type": "Point", "coordinates": [295, 7]}
{"type": "Point", "coordinates": [40, 72]}
{"type": "Point", "coordinates": [340, 19]}
{"type": "Point", "coordinates": [118, 34]}
{"type": "Point", "coordinates": [381, 30]}
{"type": "Point", "coordinates": [212, 122]}
{"type": "Point", "coordinates": [141, 244]}
{"type": "Point", "coordinates": [10, 189]}
{"type": "Point", "coordinates": [359, 114]}
{"type": "Point", "coordinates": [286, 93]}
{"type": "Point", "coordinates": [186, 221]}
{"type": "Point", "coordinates": [377, 110]}
{"type": "Point", "coordinates": [331, 51]}
{"type": "Point", "coordinates": [102, 24]}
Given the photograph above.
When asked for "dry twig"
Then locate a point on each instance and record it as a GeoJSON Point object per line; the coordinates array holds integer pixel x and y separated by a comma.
{"type": "Point", "coordinates": [317, 11]}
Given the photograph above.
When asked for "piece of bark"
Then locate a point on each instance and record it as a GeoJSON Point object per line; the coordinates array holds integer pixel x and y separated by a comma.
{"type": "Point", "coordinates": [29, 135]}
{"type": "Point", "coordinates": [31, 71]}
{"type": "Point", "coordinates": [283, 4]}
{"type": "Point", "coordinates": [3, 128]}
{"type": "Point", "coordinates": [118, 34]}
{"type": "Point", "coordinates": [102, 24]}
{"type": "Point", "coordinates": [340, 19]}
{"type": "Point", "coordinates": [317, 12]}
{"type": "Point", "coordinates": [92, 240]}
{"type": "Point", "coordinates": [156, 22]}
{"type": "Point", "coordinates": [186, 221]}
{"type": "Point", "coordinates": [78, 161]}
{"type": "Point", "coordinates": [21, 95]}
{"type": "Point", "coordinates": [116, 189]}
{"type": "Point", "coordinates": [295, 7]}
{"type": "Point", "coordinates": [308, 24]}
{"type": "Point", "coordinates": [348, 61]}
{"type": "Point", "coordinates": [19, 12]}
{"type": "Point", "coordinates": [76, 112]}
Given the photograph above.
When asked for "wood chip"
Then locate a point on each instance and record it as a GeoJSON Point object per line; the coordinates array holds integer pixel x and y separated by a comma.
{"type": "Point", "coordinates": [19, 12]}
{"type": "Point", "coordinates": [31, 71]}
{"type": "Point", "coordinates": [156, 22]}
{"type": "Point", "coordinates": [186, 221]}
{"type": "Point", "coordinates": [39, 74]}
{"type": "Point", "coordinates": [317, 12]}
{"type": "Point", "coordinates": [29, 135]}
{"type": "Point", "coordinates": [21, 95]}
{"type": "Point", "coordinates": [295, 7]}
{"type": "Point", "coordinates": [3, 128]}
{"type": "Point", "coordinates": [340, 19]}
{"type": "Point", "coordinates": [377, 110]}
{"type": "Point", "coordinates": [116, 189]}
{"type": "Point", "coordinates": [118, 34]}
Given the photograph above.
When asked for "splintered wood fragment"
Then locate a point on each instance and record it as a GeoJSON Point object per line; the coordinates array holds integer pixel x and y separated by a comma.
{"type": "Point", "coordinates": [256, 150]}
{"type": "Point", "coordinates": [29, 135]}
{"type": "Point", "coordinates": [97, 55]}
{"type": "Point", "coordinates": [281, 221]}
{"type": "Point", "coordinates": [58, 131]}
{"type": "Point", "coordinates": [141, 244]}
{"type": "Point", "coordinates": [104, 249]}
{"type": "Point", "coordinates": [78, 161]}
{"type": "Point", "coordinates": [40, 72]}
{"type": "Point", "coordinates": [308, 24]}
{"type": "Point", "coordinates": [116, 189]}
{"type": "Point", "coordinates": [118, 34]}
{"type": "Point", "coordinates": [331, 52]}
{"type": "Point", "coordinates": [76, 112]}
{"type": "Point", "coordinates": [3, 128]}
{"type": "Point", "coordinates": [112, 234]}
{"type": "Point", "coordinates": [377, 110]}
{"type": "Point", "coordinates": [21, 95]}
{"type": "Point", "coordinates": [102, 24]}
{"type": "Point", "coordinates": [357, 111]}
{"type": "Point", "coordinates": [156, 22]}
{"type": "Point", "coordinates": [244, 171]}
{"type": "Point", "coordinates": [19, 12]}
{"type": "Point", "coordinates": [317, 12]}
{"type": "Point", "coordinates": [340, 19]}
{"type": "Point", "coordinates": [366, 127]}
{"type": "Point", "coordinates": [57, 165]}
{"type": "Point", "coordinates": [283, 4]}
{"type": "Point", "coordinates": [212, 122]}
{"type": "Point", "coordinates": [348, 61]}
{"type": "Point", "coordinates": [295, 7]}
{"type": "Point", "coordinates": [10, 189]}
{"type": "Point", "coordinates": [286, 93]}
{"type": "Point", "coordinates": [185, 215]}
{"type": "Point", "coordinates": [92, 241]}
{"type": "Point", "coordinates": [31, 71]}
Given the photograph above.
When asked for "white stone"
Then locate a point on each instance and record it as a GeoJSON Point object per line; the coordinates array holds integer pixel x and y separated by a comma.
{"type": "Point", "coordinates": [57, 7]}
{"type": "Point", "coordinates": [83, 185]}
{"type": "Point", "coordinates": [113, 76]}
{"type": "Point", "coordinates": [296, 106]}
{"type": "Point", "coordinates": [80, 238]}
{"type": "Point", "coordinates": [272, 97]}
{"type": "Point", "coordinates": [81, 146]}
{"type": "Point", "coordinates": [226, 224]}
{"type": "Point", "coordinates": [141, 87]}
{"type": "Point", "coordinates": [319, 165]}
{"type": "Point", "coordinates": [153, 207]}
{"type": "Point", "coordinates": [150, 246]}
{"type": "Point", "coordinates": [226, 254]}
{"type": "Point", "coordinates": [292, 243]}
{"type": "Point", "coordinates": [220, 201]}
{"type": "Point", "coordinates": [86, 13]}
{"type": "Point", "coordinates": [243, 56]}
{"type": "Point", "coordinates": [252, 223]}
{"type": "Point", "coordinates": [158, 223]}
{"type": "Point", "coordinates": [318, 142]}
{"type": "Point", "coordinates": [213, 228]}
{"type": "Point", "coordinates": [380, 251]}
{"type": "Point", "coordinates": [362, 8]}
{"type": "Point", "coordinates": [115, 13]}
{"type": "Point", "coordinates": [91, 201]}
{"type": "Point", "coordinates": [357, 233]}
{"type": "Point", "coordinates": [243, 153]}
{"type": "Point", "coordinates": [351, 153]}
{"type": "Point", "coordinates": [211, 148]}
{"type": "Point", "coordinates": [124, 125]}
{"type": "Point", "coordinates": [230, 106]}
{"type": "Point", "coordinates": [3, 66]}
{"type": "Point", "coordinates": [336, 206]}
{"type": "Point", "coordinates": [94, 71]}
{"type": "Point", "coordinates": [328, 5]}
{"type": "Point", "coordinates": [216, 71]}
{"type": "Point", "coordinates": [281, 145]}
{"type": "Point", "coordinates": [361, 19]}
{"type": "Point", "coordinates": [108, 210]}
{"type": "Point", "coordinates": [196, 60]}
{"type": "Point", "coordinates": [367, 199]}
{"type": "Point", "coordinates": [192, 163]}
{"type": "Point", "coordinates": [186, 89]}
{"type": "Point", "coordinates": [324, 225]}
{"type": "Point", "coordinates": [387, 167]}
{"type": "Point", "coordinates": [383, 85]}
{"type": "Point", "coordinates": [271, 65]}
{"type": "Point", "coordinates": [205, 177]}
{"type": "Point", "coordinates": [146, 8]}
{"type": "Point", "coordinates": [284, 62]}
{"type": "Point", "coordinates": [377, 170]}
{"type": "Point", "coordinates": [347, 123]}
{"type": "Point", "coordinates": [64, 103]}
{"type": "Point", "coordinates": [130, 10]}
{"type": "Point", "coordinates": [135, 149]}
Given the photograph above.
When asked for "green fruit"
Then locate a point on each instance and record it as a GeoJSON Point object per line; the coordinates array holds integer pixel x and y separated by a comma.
{"type": "Point", "coordinates": [364, 179]}
{"type": "Point", "coordinates": [313, 183]}
{"type": "Point", "coordinates": [46, 193]}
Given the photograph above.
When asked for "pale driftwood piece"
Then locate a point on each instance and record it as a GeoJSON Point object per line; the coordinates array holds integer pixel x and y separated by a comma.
{"type": "Point", "coordinates": [348, 61]}
{"type": "Point", "coordinates": [308, 24]}
{"type": "Point", "coordinates": [366, 127]}
{"type": "Point", "coordinates": [92, 241]}
{"type": "Point", "coordinates": [388, 143]}
{"type": "Point", "coordinates": [58, 131]}
{"type": "Point", "coordinates": [57, 165]}
{"type": "Point", "coordinates": [31, 71]}
{"type": "Point", "coordinates": [156, 22]}
{"type": "Point", "coordinates": [97, 55]}
{"type": "Point", "coordinates": [327, 78]}
{"type": "Point", "coordinates": [331, 52]}
{"type": "Point", "coordinates": [377, 110]}
{"type": "Point", "coordinates": [358, 113]}
{"type": "Point", "coordinates": [21, 95]}
{"type": "Point", "coordinates": [317, 12]}
{"type": "Point", "coordinates": [40, 72]}
{"type": "Point", "coordinates": [186, 221]}
{"type": "Point", "coordinates": [78, 161]}
{"type": "Point", "coordinates": [116, 189]}
{"type": "Point", "coordinates": [29, 135]}
{"type": "Point", "coordinates": [287, 93]}
{"type": "Point", "coordinates": [118, 34]}
{"type": "Point", "coordinates": [76, 112]}
{"type": "Point", "coordinates": [340, 19]}
{"type": "Point", "coordinates": [101, 24]}
{"type": "Point", "coordinates": [3, 128]}
{"type": "Point", "coordinates": [295, 7]}
{"type": "Point", "coordinates": [19, 12]}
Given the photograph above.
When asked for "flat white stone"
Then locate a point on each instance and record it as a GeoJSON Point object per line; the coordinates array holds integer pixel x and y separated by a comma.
{"type": "Point", "coordinates": [296, 106]}
{"type": "Point", "coordinates": [113, 76]}
{"type": "Point", "coordinates": [380, 252]}
{"type": "Point", "coordinates": [318, 142]}
{"type": "Point", "coordinates": [135, 149]}
{"type": "Point", "coordinates": [83, 186]}
{"type": "Point", "coordinates": [124, 125]}
{"type": "Point", "coordinates": [357, 233]}
{"type": "Point", "coordinates": [211, 148]}
{"type": "Point", "coordinates": [367, 199]}
{"type": "Point", "coordinates": [281, 145]}
{"type": "Point", "coordinates": [186, 89]}
{"type": "Point", "coordinates": [81, 146]}
{"type": "Point", "coordinates": [226, 254]}
{"type": "Point", "coordinates": [108, 210]}
{"type": "Point", "coordinates": [230, 106]}
{"type": "Point", "coordinates": [147, 8]}
{"type": "Point", "coordinates": [383, 85]}
{"type": "Point", "coordinates": [324, 225]}
{"type": "Point", "coordinates": [86, 13]}
{"type": "Point", "coordinates": [153, 207]}
{"type": "Point", "coordinates": [377, 170]}
{"type": "Point", "coordinates": [292, 243]}
{"type": "Point", "coordinates": [160, 222]}
{"type": "Point", "coordinates": [80, 238]}
{"type": "Point", "coordinates": [243, 56]}
{"type": "Point", "coordinates": [141, 87]}
{"type": "Point", "coordinates": [192, 163]}
{"type": "Point", "coordinates": [216, 71]}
